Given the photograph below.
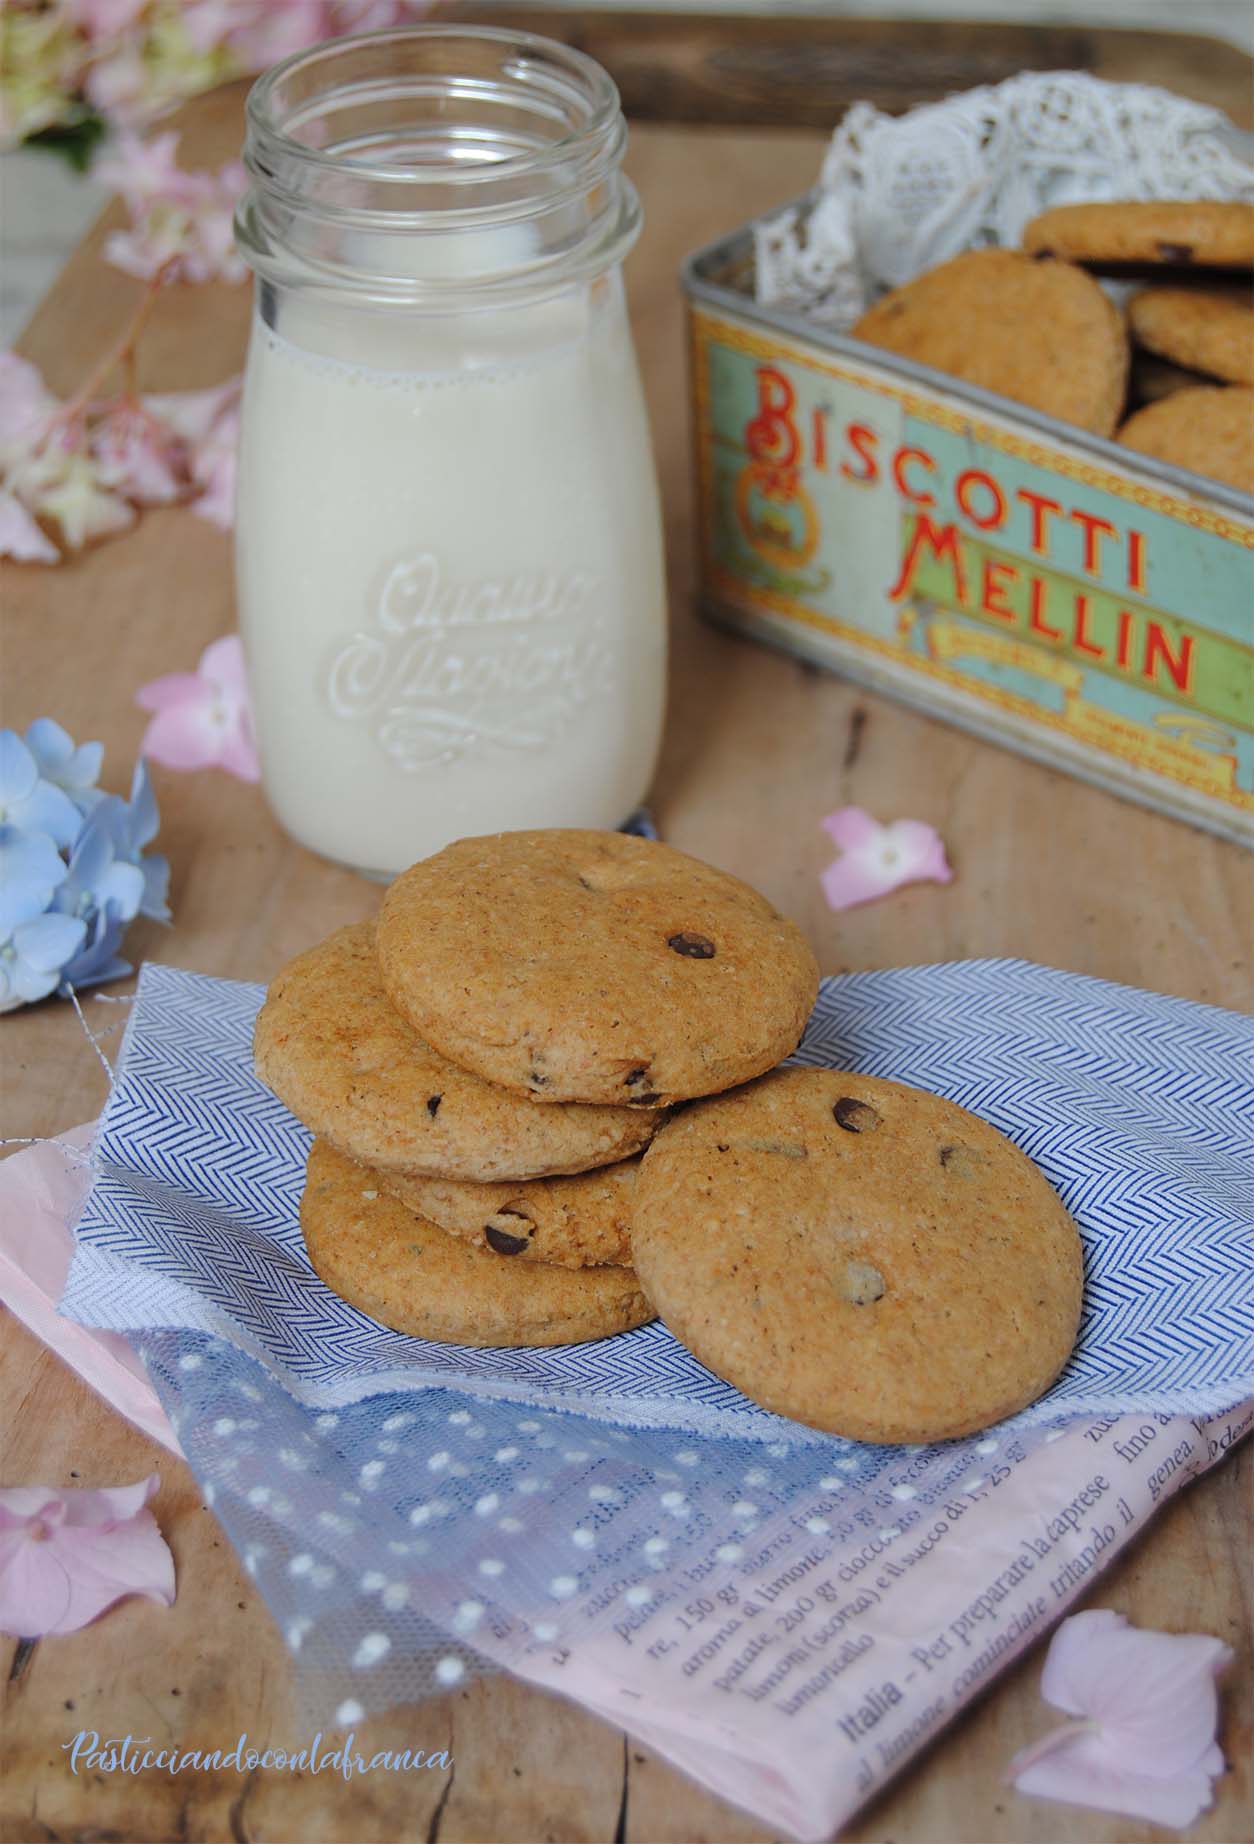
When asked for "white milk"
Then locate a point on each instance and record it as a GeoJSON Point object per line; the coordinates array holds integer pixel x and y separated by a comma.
{"type": "Point", "coordinates": [450, 574]}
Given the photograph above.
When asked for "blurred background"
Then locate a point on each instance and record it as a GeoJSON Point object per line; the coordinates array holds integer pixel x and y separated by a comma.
{"type": "Point", "coordinates": [46, 204]}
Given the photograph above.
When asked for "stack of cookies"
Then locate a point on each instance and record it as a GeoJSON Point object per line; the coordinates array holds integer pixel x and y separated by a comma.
{"type": "Point", "coordinates": [492, 1073]}
{"type": "Point", "coordinates": [1171, 378]}
{"type": "Point", "coordinates": [483, 1067]}
{"type": "Point", "coordinates": [1191, 327]}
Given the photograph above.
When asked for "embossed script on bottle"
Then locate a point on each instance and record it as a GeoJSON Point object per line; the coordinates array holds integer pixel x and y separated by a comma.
{"type": "Point", "coordinates": [445, 667]}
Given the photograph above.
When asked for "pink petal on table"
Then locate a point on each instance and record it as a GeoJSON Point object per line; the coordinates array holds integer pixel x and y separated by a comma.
{"type": "Point", "coordinates": [877, 859]}
{"type": "Point", "coordinates": [20, 1502]}
{"type": "Point", "coordinates": [203, 719]}
{"type": "Point", "coordinates": [239, 756]}
{"type": "Point", "coordinates": [851, 827]}
{"type": "Point", "coordinates": [1147, 1710]}
{"type": "Point", "coordinates": [103, 1566]}
{"type": "Point", "coordinates": [173, 688]}
{"type": "Point", "coordinates": [1152, 1694]}
{"type": "Point", "coordinates": [185, 735]}
{"type": "Point", "coordinates": [34, 1587]}
{"type": "Point", "coordinates": [1081, 1773]}
{"type": "Point", "coordinates": [66, 1556]}
{"type": "Point", "coordinates": [222, 662]}
{"type": "Point", "coordinates": [21, 535]}
{"type": "Point", "coordinates": [96, 1507]}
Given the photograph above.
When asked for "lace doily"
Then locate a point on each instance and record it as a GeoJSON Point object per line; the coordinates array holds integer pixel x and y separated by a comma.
{"type": "Point", "coordinates": [899, 194]}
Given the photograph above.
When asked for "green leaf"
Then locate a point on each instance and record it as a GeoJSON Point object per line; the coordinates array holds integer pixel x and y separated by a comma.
{"type": "Point", "coordinates": [75, 142]}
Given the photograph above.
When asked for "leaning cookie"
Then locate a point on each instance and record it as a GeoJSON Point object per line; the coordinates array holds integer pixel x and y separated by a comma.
{"type": "Point", "coordinates": [416, 1278]}
{"type": "Point", "coordinates": [335, 1051]}
{"type": "Point", "coordinates": [593, 967]}
{"type": "Point", "coordinates": [857, 1255]}
{"type": "Point", "coordinates": [1041, 333]}
{"type": "Point", "coordinates": [579, 1222]}
{"type": "Point", "coordinates": [1170, 233]}
{"type": "Point", "coordinates": [1209, 330]}
{"type": "Point", "coordinates": [1208, 431]}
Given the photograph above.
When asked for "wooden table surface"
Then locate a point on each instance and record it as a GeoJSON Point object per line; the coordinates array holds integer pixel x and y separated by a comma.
{"type": "Point", "coordinates": [757, 749]}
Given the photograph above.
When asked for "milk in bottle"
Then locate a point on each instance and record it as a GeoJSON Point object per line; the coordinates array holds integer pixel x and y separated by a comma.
{"type": "Point", "coordinates": [449, 560]}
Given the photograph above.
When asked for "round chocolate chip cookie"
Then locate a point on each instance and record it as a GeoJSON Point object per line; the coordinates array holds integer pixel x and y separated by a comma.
{"type": "Point", "coordinates": [1172, 233]}
{"type": "Point", "coordinates": [339, 1055]}
{"type": "Point", "coordinates": [413, 1276]}
{"type": "Point", "coordinates": [593, 967]}
{"type": "Point", "coordinates": [579, 1222]}
{"type": "Point", "coordinates": [1205, 329]}
{"type": "Point", "coordinates": [1208, 431]}
{"type": "Point", "coordinates": [1041, 333]}
{"type": "Point", "coordinates": [858, 1255]}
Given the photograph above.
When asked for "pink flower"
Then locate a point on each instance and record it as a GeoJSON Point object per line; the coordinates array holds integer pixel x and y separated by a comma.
{"type": "Point", "coordinates": [103, 18]}
{"type": "Point", "coordinates": [67, 1554]}
{"type": "Point", "coordinates": [139, 169]}
{"type": "Point", "coordinates": [1147, 1710]}
{"type": "Point", "coordinates": [376, 15]}
{"type": "Point", "coordinates": [875, 859]}
{"type": "Point", "coordinates": [139, 455]}
{"type": "Point", "coordinates": [214, 470]}
{"type": "Point", "coordinates": [174, 213]}
{"type": "Point", "coordinates": [115, 86]}
{"type": "Point", "coordinates": [257, 34]}
{"type": "Point", "coordinates": [203, 719]}
{"type": "Point", "coordinates": [208, 423]}
{"type": "Point", "coordinates": [61, 484]}
{"type": "Point", "coordinates": [26, 404]}
{"type": "Point", "coordinates": [193, 415]}
{"type": "Point", "coordinates": [20, 535]}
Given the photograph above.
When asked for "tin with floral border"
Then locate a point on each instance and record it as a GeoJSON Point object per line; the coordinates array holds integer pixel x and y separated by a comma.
{"type": "Point", "coordinates": [1043, 587]}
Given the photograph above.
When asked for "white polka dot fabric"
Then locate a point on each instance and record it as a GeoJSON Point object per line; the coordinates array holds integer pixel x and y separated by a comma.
{"type": "Point", "coordinates": [474, 1518]}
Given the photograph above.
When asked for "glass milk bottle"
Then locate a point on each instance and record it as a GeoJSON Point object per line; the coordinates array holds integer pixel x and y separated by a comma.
{"type": "Point", "coordinates": [449, 556]}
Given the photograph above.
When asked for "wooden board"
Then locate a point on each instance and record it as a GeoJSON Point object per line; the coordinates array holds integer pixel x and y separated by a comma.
{"type": "Point", "coordinates": [757, 749]}
{"type": "Point", "coordinates": [679, 66]}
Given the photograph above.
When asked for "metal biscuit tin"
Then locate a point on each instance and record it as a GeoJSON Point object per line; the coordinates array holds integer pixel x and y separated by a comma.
{"type": "Point", "coordinates": [1043, 587]}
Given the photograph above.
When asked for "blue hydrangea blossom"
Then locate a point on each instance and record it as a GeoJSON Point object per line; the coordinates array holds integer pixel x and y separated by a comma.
{"type": "Point", "coordinates": [73, 869]}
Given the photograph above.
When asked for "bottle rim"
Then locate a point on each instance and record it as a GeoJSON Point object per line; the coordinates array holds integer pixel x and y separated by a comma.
{"type": "Point", "coordinates": [567, 184]}
{"type": "Point", "coordinates": [605, 115]}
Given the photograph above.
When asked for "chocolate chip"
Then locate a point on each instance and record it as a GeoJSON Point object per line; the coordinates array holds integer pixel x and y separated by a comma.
{"type": "Point", "coordinates": [696, 947]}
{"type": "Point", "coordinates": [1176, 252]}
{"type": "Point", "coordinates": [503, 1245]}
{"type": "Point", "coordinates": [433, 1105]}
{"type": "Point", "coordinates": [650, 1099]}
{"type": "Point", "coordinates": [861, 1283]}
{"type": "Point", "coordinates": [959, 1159]}
{"type": "Point", "coordinates": [635, 1075]}
{"type": "Point", "coordinates": [536, 1080]}
{"type": "Point", "coordinates": [855, 1116]}
{"type": "Point", "coordinates": [1042, 256]}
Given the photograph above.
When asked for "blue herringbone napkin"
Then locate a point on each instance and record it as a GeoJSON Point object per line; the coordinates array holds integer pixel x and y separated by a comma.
{"type": "Point", "coordinates": [1139, 1108]}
